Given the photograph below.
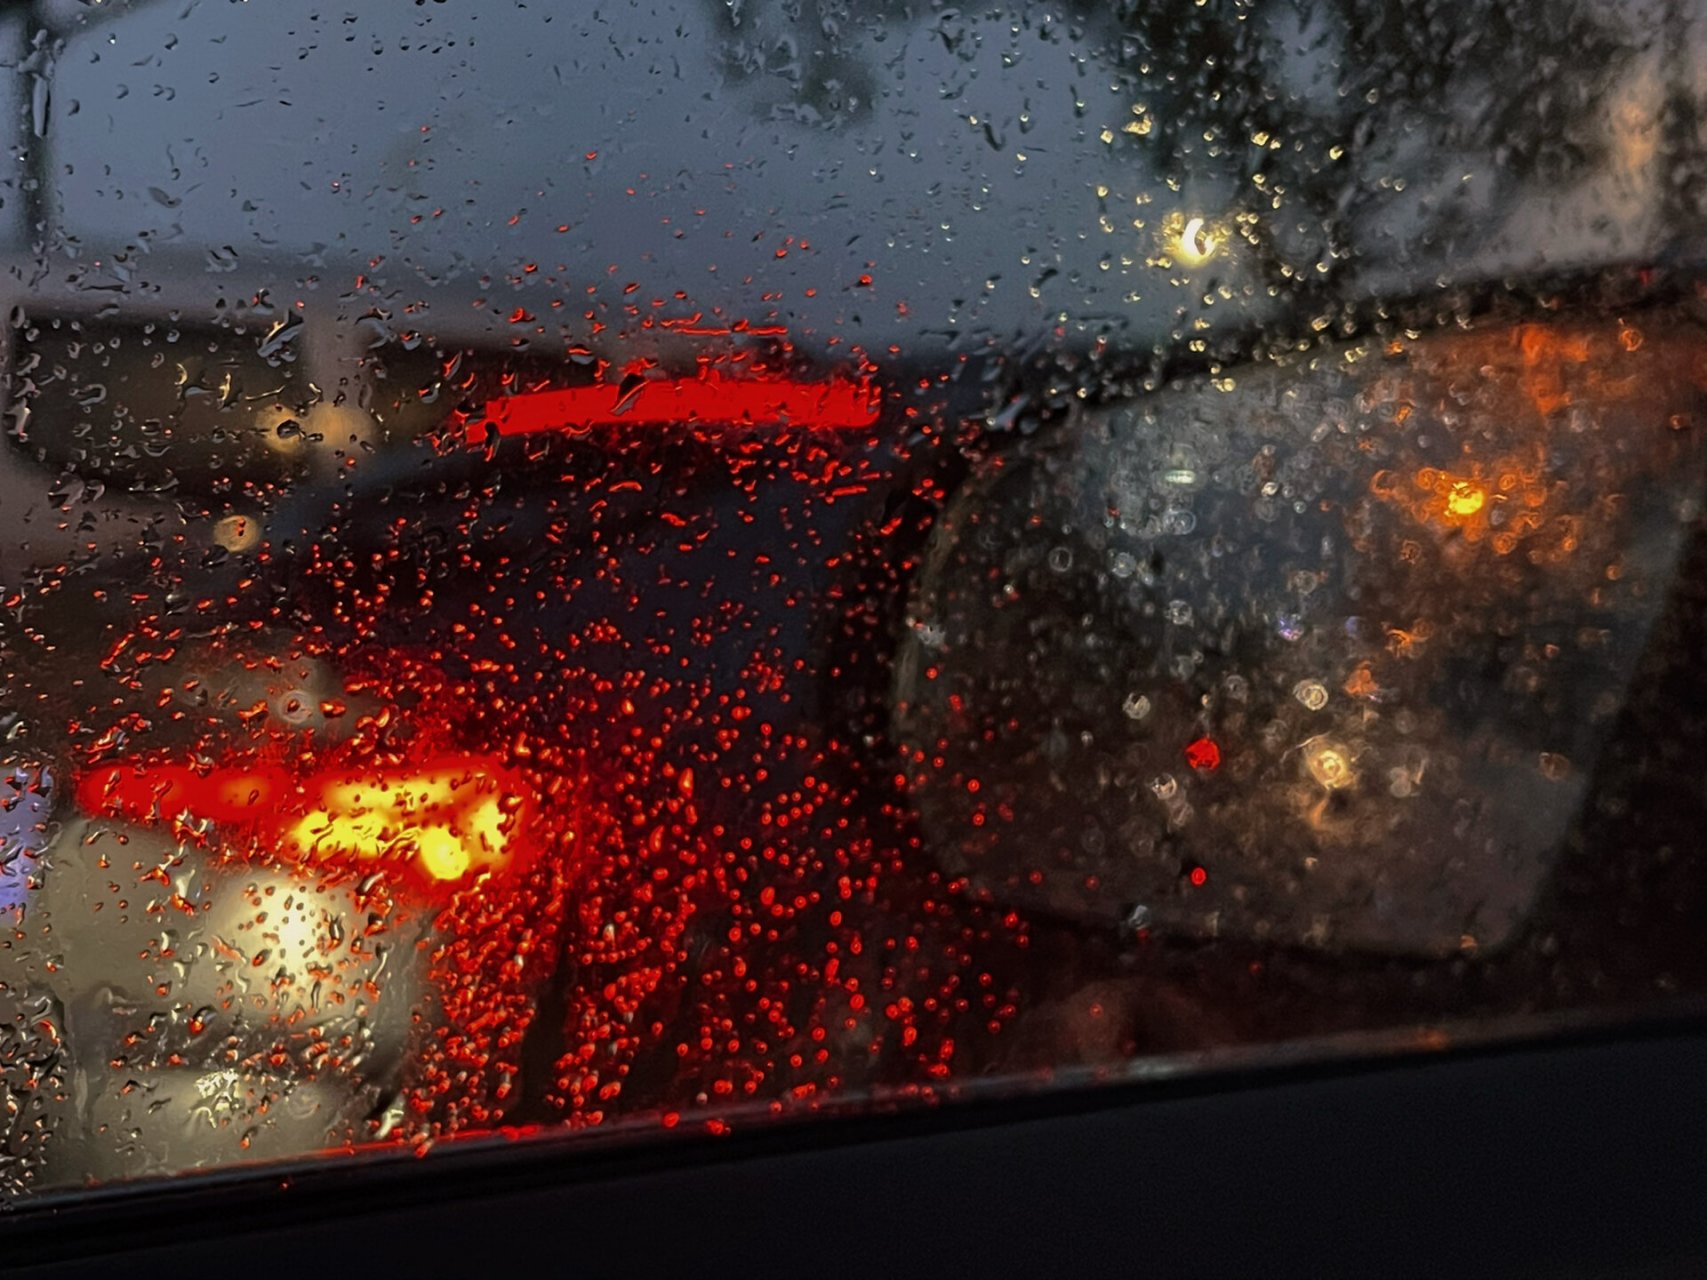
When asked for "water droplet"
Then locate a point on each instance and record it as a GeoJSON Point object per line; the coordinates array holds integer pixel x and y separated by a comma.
{"type": "Point", "coordinates": [1311, 693]}
{"type": "Point", "coordinates": [1179, 522]}
{"type": "Point", "coordinates": [237, 532]}
{"type": "Point", "coordinates": [295, 707]}
{"type": "Point", "coordinates": [1328, 763]}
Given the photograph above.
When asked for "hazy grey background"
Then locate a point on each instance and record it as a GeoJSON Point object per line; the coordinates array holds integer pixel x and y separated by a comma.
{"type": "Point", "coordinates": [985, 171]}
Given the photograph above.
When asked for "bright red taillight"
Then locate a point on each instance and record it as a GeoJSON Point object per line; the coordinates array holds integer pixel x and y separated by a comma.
{"type": "Point", "coordinates": [710, 398]}
{"type": "Point", "coordinates": [448, 819]}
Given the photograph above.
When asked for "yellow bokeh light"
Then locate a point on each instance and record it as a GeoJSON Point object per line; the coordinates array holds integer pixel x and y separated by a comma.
{"type": "Point", "coordinates": [1464, 500]}
{"type": "Point", "coordinates": [1197, 244]}
{"type": "Point", "coordinates": [1466, 503]}
{"type": "Point", "coordinates": [1190, 240]}
{"type": "Point", "coordinates": [441, 853]}
{"type": "Point", "coordinates": [431, 818]}
{"type": "Point", "coordinates": [1329, 764]}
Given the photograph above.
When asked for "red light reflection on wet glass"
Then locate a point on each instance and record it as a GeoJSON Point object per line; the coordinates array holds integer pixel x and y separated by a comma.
{"type": "Point", "coordinates": [711, 397]}
{"type": "Point", "coordinates": [447, 819]}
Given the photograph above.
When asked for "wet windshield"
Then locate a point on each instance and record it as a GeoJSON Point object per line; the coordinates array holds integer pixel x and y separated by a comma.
{"type": "Point", "coordinates": [673, 567]}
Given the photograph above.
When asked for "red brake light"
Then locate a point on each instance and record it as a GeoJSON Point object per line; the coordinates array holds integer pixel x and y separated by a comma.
{"type": "Point", "coordinates": [838, 404]}
{"type": "Point", "coordinates": [448, 819]}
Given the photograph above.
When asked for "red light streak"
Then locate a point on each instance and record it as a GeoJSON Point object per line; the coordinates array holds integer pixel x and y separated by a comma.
{"type": "Point", "coordinates": [711, 398]}
{"type": "Point", "coordinates": [148, 792]}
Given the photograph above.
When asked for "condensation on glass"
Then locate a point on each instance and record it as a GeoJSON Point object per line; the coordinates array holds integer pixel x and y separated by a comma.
{"type": "Point", "coordinates": [676, 566]}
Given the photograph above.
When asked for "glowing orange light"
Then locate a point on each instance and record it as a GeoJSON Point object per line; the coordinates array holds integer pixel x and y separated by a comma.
{"type": "Point", "coordinates": [1547, 356]}
{"type": "Point", "coordinates": [710, 398]}
{"type": "Point", "coordinates": [1464, 500]}
{"type": "Point", "coordinates": [449, 819]}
